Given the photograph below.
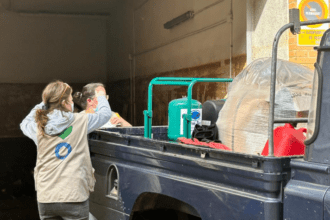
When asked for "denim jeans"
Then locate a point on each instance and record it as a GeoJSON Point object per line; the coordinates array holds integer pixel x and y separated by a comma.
{"type": "Point", "coordinates": [65, 211]}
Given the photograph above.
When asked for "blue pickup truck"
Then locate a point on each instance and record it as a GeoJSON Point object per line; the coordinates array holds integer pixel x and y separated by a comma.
{"type": "Point", "coordinates": [140, 178]}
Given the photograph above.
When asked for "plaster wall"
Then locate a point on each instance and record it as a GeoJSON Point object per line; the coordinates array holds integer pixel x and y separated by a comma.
{"type": "Point", "coordinates": [264, 19]}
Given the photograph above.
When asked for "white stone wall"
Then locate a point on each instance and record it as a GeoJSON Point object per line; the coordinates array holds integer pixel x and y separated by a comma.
{"type": "Point", "coordinates": [264, 19]}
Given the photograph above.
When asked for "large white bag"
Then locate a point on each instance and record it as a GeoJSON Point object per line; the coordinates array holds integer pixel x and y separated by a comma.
{"type": "Point", "coordinates": [243, 120]}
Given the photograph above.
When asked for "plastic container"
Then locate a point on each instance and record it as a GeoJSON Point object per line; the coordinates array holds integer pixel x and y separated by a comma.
{"type": "Point", "coordinates": [176, 109]}
{"type": "Point", "coordinates": [211, 109]}
{"type": "Point", "coordinates": [287, 141]}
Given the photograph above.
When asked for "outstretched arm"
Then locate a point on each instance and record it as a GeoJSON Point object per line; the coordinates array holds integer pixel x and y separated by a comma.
{"type": "Point", "coordinates": [102, 116]}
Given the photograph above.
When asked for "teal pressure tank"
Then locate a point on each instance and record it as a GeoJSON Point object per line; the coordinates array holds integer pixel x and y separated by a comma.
{"type": "Point", "coordinates": [176, 109]}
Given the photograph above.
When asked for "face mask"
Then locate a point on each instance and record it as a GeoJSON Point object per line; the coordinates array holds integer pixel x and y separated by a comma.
{"type": "Point", "coordinates": [72, 106]}
{"type": "Point", "coordinates": [95, 102]}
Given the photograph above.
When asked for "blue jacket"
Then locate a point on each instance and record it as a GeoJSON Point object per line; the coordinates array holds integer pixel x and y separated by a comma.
{"type": "Point", "coordinates": [59, 120]}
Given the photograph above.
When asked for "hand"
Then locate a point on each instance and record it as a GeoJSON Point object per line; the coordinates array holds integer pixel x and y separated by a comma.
{"type": "Point", "coordinates": [99, 91]}
{"type": "Point", "coordinates": [119, 121]}
{"type": "Point", "coordinates": [116, 120]}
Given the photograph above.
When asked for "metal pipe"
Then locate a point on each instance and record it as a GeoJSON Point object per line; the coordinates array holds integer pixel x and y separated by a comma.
{"type": "Point", "coordinates": [169, 83]}
{"type": "Point", "coordinates": [175, 78]}
{"type": "Point", "coordinates": [272, 88]}
{"type": "Point", "coordinates": [141, 5]}
{"type": "Point", "coordinates": [146, 124]}
{"type": "Point", "coordinates": [134, 69]}
{"type": "Point", "coordinates": [273, 77]}
{"type": "Point", "coordinates": [318, 104]}
{"type": "Point", "coordinates": [188, 117]}
{"type": "Point", "coordinates": [291, 120]}
{"type": "Point", "coordinates": [231, 39]}
{"type": "Point", "coordinates": [175, 82]}
{"type": "Point", "coordinates": [192, 79]}
{"type": "Point", "coordinates": [321, 21]}
{"type": "Point", "coordinates": [150, 93]}
{"type": "Point", "coordinates": [131, 86]}
{"type": "Point", "coordinates": [209, 6]}
{"type": "Point", "coordinates": [148, 114]}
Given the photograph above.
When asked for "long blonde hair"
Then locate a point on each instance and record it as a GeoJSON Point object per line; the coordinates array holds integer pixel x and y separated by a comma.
{"type": "Point", "coordinates": [52, 96]}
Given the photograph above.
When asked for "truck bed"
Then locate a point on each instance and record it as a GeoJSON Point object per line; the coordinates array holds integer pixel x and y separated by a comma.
{"type": "Point", "coordinates": [155, 174]}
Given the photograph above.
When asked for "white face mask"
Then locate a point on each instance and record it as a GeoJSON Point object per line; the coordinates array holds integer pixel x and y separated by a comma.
{"type": "Point", "coordinates": [72, 106]}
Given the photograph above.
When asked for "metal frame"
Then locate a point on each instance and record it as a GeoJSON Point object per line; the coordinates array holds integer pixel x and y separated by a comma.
{"type": "Point", "coordinates": [173, 81]}
{"type": "Point", "coordinates": [318, 105]}
{"type": "Point", "coordinates": [295, 28]}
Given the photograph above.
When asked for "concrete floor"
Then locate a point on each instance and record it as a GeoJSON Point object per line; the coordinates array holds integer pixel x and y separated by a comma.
{"type": "Point", "coordinates": [21, 208]}
{"type": "Point", "coordinates": [17, 193]}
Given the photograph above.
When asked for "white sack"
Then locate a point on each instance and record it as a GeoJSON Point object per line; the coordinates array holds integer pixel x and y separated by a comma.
{"type": "Point", "coordinates": [243, 120]}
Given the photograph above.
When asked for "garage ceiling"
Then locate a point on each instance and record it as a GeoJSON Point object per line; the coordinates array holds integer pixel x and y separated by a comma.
{"type": "Point", "coordinates": [59, 6]}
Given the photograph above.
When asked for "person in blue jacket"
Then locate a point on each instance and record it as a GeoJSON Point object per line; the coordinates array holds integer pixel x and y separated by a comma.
{"type": "Point", "coordinates": [85, 101]}
{"type": "Point", "coordinates": [64, 176]}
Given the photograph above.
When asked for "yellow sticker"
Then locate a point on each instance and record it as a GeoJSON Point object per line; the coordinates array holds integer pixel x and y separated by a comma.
{"type": "Point", "coordinates": [310, 37]}
{"type": "Point", "coordinates": [312, 10]}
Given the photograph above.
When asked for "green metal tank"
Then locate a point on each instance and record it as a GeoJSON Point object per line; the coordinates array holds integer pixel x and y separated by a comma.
{"type": "Point", "coordinates": [176, 109]}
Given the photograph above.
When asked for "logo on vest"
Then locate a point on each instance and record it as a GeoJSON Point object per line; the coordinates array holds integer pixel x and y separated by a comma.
{"type": "Point", "coordinates": [68, 147]}
{"type": "Point", "coordinates": [59, 147]}
{"type": "Point", "coordinates": [66, 133]}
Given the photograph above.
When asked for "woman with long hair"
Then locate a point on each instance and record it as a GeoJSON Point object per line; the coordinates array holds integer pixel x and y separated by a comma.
{"type": "Point", "coordinates": [85, 101]}
{"type": "Point", "coordinates": [64, 176]}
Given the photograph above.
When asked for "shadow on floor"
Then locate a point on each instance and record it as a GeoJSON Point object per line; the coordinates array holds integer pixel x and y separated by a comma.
{"type": "Point", "coordinates": [17, 193]}
{"type": "Point", "coordinates": [18, 208]}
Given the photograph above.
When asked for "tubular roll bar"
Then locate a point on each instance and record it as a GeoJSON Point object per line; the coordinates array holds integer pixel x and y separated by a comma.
{"type": "Point", "coordinates": [294, 25]}
{"type": "Point", "coordinates": [173, 81]}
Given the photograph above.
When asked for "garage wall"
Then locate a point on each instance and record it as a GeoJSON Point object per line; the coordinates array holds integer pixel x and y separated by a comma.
{"type": "Point", "coordinates": [199, 47]}
{"type": "Point", "coordinates": [264, 19]}
{"type": "Point", "coordinates": [119, 40]}
{"type": "Point", "coordinates": [161, 50]}
{"type": "Point", "coordinates": [36, 49]}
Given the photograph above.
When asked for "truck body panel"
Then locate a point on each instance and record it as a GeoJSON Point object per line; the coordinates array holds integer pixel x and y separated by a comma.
{"type": "Point", "coordinates": [212, 184]}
